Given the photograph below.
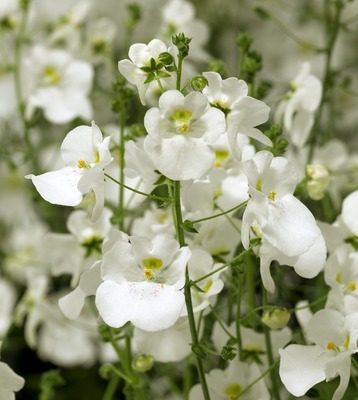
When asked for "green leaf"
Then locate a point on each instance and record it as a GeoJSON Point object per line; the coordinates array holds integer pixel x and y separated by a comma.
{"type": "Point", "coordinates": [189, 226]}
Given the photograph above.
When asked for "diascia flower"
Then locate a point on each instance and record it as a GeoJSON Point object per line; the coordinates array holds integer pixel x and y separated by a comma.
{"type": "Point", "coordinates": [140, 55]}
{"type": "Point", "coordinates": [58, 84]}
{"type": "Point", "coordinates": [335, 340]}
{"type": "Point", "coordinates": [298, 107]}
{"type": "Point", "coordinates": [287, 228]}
{"type": "Point", "coordinates": [10, 382]}
{"type": "Point", "coordinates": [180, 133]}
{"type": "Point", "coordinates": [142, 281]}
{"type": "Point", "coordinates": [243, 113]}
{"type": "Point", "coordinates": [85, 153]}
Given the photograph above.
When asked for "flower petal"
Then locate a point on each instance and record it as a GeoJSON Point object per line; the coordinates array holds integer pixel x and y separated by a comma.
{"type": "Point", "coordinates": [149, 306]}
{"type": "Point", "coordinates": [59, 187]}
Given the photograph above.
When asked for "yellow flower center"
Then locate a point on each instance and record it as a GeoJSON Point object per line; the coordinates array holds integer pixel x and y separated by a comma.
{"type": "Point", "coordinates": [271, 196]}
{"type": "Point", "coordinates": [152, 263]}
{"type": "Point", "coordinates": [352, 286]}
{"type": "Point", "coordinates": [232, 391]}
{"type": "Point", "coordinates": [51, 76]}
{"type": "Point", "coordinates": [221, 156]}
{"type": "Point", "coordinates": [331, 346]}
{"type": "Point", "coordinates": [181, 119]}
{"type": "Point", "coordinates": [82, 164]}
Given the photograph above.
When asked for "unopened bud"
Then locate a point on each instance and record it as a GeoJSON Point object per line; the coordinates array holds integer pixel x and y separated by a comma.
{"type": "Point", "coordinates": [143, 363]}
{"type": "Point", "coordinates": [198, 83]}
{"type": "Point", "coordinates": [165, 58]}
{"type": "Point", "coordinates": [276, 318]}
{"type": "Point", "coordinates": [318, 180]}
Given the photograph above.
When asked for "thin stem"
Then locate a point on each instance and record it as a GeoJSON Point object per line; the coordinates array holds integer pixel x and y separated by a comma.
{"type": "Point", "coordinates": [253, 383]}
{"type": "Point", "coordinates": [332, 30]}
{"type": "Point", "coordinates": [238, 315]}
{"type": "Point", "coordinates": [19, 42]}
{"type": "Point", "coordinates": [237, 207]}
{"type": "Point", "coordinates": [270, 358]}
{"type": "Point", "coordinates": [179, 70]}
{"type": "Point", "coordinates": [111, 388]}
{"type": "Point", "coordinates": [150, 196]}
{"type": "Point", "coordinates": [121, 168]}
{"type": "Point", "coordinates": [178, 219]}
{"type": "Point", "coordinates": [234, 260]}
{"type": "Point", "coordinates": [292, 35]}
{"type": "Point", "coordinates": [223, 327]}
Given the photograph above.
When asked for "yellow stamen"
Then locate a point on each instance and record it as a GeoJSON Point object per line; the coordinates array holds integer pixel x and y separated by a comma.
{"type": "Point", "coordinates": [259, 184]}
{"type": "Point", "coordinates": [346, 342]}
{"type": "Point", "coordinates": [352, 286]}
{"type": "Point", "coordinates": [81, 164]}
{"type": "Point", "coordinates": [148, 274]}
{"type": "Point", "coordinates": [339, 277]}
{"type": "Point", "coordinates": [51, 75]}
{"type": "Point", "coordinates": [271, 196]}
{"type": "Point", "coordinates": [331, 346]}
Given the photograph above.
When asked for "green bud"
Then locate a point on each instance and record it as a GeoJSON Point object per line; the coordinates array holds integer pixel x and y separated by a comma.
{"type": "Point", "coordinates": [166, 58]}
{"type": "Point", "coordinates": [318, 179]}
{"type": "Point", "coordinates": [262, 13]}
{"type": "Point", "coordinates": [105, 332]}
{"type": "Point", "coordinates": [135, 14]}
{"type": "Point", "coordinates": [143, 363]}
{"type": "Point", "coordinates": [182, 43]}
{"type": "Point", "coordinates": [276, 318]}
{"type": "Point", "coordinates": [198, 83]}
{"type": "Point", "coordinates": [106, 371]}
{"type": "Point", "coordinates": [243, 41]}
{"type": "Point", "coordinates": [50, 380]}
{"type": "Point", "coordinates": [217, 65]}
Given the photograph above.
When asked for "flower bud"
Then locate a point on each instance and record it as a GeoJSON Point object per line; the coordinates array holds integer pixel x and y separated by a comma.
{"type": "Point", "coordinates": [198, 83]}
{"type": "Point", "coordinates": [143, 363]}
{"type": "Point", "coordinates": [165, 58]}
{"type": "Point", "coordinates": [276, 318]}
{"type": "Point", "coordinates": [318, 180]}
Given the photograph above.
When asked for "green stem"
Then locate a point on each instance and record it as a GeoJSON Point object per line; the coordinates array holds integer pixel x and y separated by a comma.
{"type": "Point", "coordinates": [234, 260]}
{"type": "Point", "coordinates": [179, 70]}
{"type": "Point", "coordinates": [150, 196]}
{"type": "Point", "coordinates": [251, 286]}
{"type": "Point", "coordinates": [237, 207]}
{"type": "Point", "coordinates": [111, 388]}
{"type": "Point", "coordinates": [238, 315]}
{"type": "Point", "coordinates": [253, 383]}
{"type": "Point", "coordinates": [270, 358]}
{"type": "Point", "coordinates": [332, 30]}
{"type": "Point", "coordinates": [19, 42]}
{"type": "Point", "coordinates": [122, 119]}
{"type": "Point", "coordinates": [178, 219]}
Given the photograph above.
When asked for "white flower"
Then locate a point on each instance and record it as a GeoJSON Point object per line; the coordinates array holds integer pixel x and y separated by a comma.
{"type": "Point", "coordinates": [58, 84]}
{"type": "Point", "coordinates": [140, 55]}
{"type": "Point", "coordinates": [335, 339]}
{"type": "Point", "coordinates": [297, 111]}
{"type": "Point", "coordinates": [287, 228]}
{"type": "Point", "coordinates": [341, 274]}
{"type": "Point", "coordinates": [143, 279]}
{"type": "Point", "coordinates": [7, 306]}
{"type": "Point", "coordinates": [201, 263]}
{"type": "Point", "coordinates": [228, 383]}
{"type": "Point", "coordinates": [167, 345]}
{"type": "Point", "coordinates": [10, 382]}
{"type": "Point", "coordinates": [181, 131]}
{"type": "Point", "coordinates": [85, 153]}
{"type": "Point", "coordinates": [242, 112]}
{"type": "Point", "coordinates": [179, 16]}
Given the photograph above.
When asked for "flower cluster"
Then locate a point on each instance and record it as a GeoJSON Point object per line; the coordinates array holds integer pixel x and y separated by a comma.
{"type": "Point", "coordinates": [197, 216]}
